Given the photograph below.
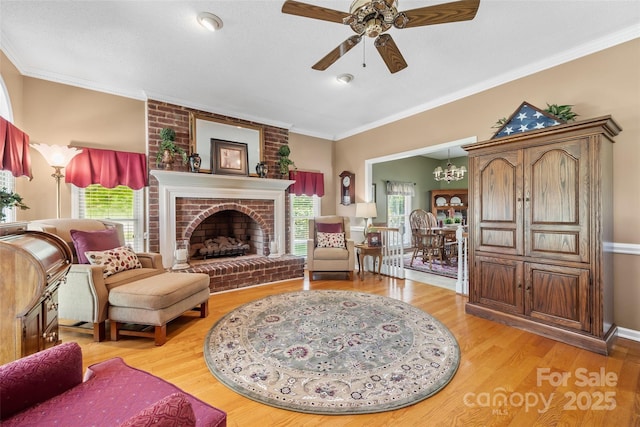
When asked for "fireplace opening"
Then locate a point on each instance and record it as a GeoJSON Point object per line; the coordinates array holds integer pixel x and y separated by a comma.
{"type": "Point", "coordinates": [227, 233]}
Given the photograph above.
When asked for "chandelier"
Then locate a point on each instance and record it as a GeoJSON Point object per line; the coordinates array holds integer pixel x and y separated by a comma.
{"type": "Point", "coordinates": [451, 173]}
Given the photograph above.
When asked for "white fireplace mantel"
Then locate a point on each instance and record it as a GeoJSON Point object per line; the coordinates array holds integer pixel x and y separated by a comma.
{"type": "Point", "coordinates": [223, 181]}
{"type": "Point", "coordinates": [173, 185]}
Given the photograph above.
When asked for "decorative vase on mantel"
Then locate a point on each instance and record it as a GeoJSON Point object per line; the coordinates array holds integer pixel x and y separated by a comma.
{"type": "Point", "coordinates": [262, 169]}
{"type": "Point", "coordinates": [194, 162]}
{"type": "Point", "coordinates": [167, 160]}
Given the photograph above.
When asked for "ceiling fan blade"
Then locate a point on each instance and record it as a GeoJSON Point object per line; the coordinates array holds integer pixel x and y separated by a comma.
{"type": "Point", "coordinates": [337, 53]}
{"type": "Point", "coordinates": [311, 11]}
{"type": "Point", "coordinates": [464, 10]}
{"type": "Point", "coordinates": [390, 53]}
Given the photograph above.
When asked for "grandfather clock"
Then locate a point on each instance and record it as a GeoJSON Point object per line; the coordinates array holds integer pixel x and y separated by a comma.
{"type": "Point", "coordinates": [347, 188]}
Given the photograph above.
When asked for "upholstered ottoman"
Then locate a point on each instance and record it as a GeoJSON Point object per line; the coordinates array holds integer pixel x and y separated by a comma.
{"type": "Point", "coordinates": [155, 301]}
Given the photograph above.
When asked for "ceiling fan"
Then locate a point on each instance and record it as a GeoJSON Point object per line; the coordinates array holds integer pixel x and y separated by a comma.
{"type": "Point", "coordinates": [374, 17]}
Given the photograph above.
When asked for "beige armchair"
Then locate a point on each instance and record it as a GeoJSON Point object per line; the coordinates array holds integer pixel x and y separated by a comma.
{"type": "Point", "coordinates": [84, 297]}
{"type": "Point", "coordinates": [323, 256]}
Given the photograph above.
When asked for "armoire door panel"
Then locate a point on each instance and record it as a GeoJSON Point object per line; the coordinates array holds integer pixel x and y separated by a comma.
{"type": "Point", "coordinates": [554, 195]}
{"type": "Point", "coordinates": [498, 189]}
{"type": "Point", "coordinates": [558, 295]}
{"type": "Point", "coordinates": [501, 284]}
{"type": "Point", "coordinates": [556, 185]}
{"type": "Point", "coordinates": [555, 243]}
{"type": "Point", "coordinates": [498, 238]}
{"type": "Point", "coordinates": [498, 202]}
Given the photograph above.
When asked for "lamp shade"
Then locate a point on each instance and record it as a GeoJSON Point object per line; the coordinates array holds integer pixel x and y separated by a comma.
{"type": "Point", "coordinates": [366, 210]}
{"type": "Point", "coordinates": [57, 155]}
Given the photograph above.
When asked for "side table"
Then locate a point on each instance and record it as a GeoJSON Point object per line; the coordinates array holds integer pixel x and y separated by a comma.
{"type": "Point", "coordinates": [373, 251]}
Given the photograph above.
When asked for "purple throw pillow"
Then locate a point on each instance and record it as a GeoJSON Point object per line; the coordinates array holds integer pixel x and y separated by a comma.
{"type": "Point", "coordinates": [99, 240]}
{"type": "Point", "coordinates": [325, 227]}
{"type": "Point", "coordinates": [171, 411]}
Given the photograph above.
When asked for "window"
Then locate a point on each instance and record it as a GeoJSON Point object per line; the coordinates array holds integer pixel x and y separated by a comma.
{"type": "Point", "coordinates": [303, 208]}
{"type": "Point", "coordinates": [120, 204]}
{"type": "Point", "coordinates": [398, 211]}
{"type": "Point", "coordinates": [8, 182]}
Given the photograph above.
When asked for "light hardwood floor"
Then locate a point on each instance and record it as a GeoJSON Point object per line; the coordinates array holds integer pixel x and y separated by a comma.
{"type": "Point", "coordinates": [497, 363]}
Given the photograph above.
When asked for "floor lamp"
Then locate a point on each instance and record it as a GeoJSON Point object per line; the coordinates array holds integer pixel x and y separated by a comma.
{"type": "Point", "coordinates": [58, 157]}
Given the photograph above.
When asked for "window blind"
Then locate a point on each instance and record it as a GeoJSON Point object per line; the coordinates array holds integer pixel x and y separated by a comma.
{"type": "Point", "coordinates": [303, 208]}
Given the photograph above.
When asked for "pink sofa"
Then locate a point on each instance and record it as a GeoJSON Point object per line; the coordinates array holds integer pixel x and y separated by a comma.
{"type": "Point", "coordinates": [47, 388]}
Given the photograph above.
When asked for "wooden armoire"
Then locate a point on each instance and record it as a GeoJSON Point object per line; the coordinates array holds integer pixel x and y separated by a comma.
{"type": "Point", "coordinates": [541, 213]}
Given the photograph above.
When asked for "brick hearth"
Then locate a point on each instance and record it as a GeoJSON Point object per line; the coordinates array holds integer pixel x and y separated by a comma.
{"type": "Point", "coordinates": [248, 271]}
{"type": "Point", "coordinates": [185, 200]}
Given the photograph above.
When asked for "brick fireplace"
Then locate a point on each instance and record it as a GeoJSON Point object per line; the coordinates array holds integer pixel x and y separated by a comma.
{"type": "Point", "coordinates": [234, 273]}
{"type": "Point", "coordinates": [186, 201]}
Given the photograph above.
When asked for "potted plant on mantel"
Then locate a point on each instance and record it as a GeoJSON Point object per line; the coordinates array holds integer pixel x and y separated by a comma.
{"type": "Point", "coordinates": [168, 150]}
{"type": "Point", "coordinates": [284, 161]}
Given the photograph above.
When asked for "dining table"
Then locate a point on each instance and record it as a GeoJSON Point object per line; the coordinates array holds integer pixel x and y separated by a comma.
{"type": "Point", "coordinates": [448, 240]}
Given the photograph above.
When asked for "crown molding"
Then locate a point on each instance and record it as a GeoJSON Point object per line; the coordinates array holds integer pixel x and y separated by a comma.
{"type": "Point", "coordinates": [621, 36]}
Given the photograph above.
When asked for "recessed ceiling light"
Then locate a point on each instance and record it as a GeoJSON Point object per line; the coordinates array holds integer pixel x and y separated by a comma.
{"type": "Point", "coordinates": [209, 21]}
{"type": "Point", "coordinates": [345, 78]}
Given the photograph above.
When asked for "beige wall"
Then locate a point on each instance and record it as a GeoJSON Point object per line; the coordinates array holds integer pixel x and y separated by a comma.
{"type": "Point", "coordinates": [58, 114]}
{"type": "Point", "coordinates": [316, 155]}
{"type": "Point", "coordinates": [603, 83]}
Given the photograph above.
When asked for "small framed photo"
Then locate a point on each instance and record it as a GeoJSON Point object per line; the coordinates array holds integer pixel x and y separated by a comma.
{"type": "Point", "coordinates": [229, 158]}
{"type": "Point", "coordinates": [374, 239]}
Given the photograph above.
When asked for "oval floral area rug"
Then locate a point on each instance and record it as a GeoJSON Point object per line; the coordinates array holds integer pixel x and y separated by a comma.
{"type": "Point", "coordinates": [332, 352]}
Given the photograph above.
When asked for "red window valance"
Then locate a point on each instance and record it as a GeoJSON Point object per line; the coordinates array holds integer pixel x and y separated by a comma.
{"type": "Point", "coordinates": [14, 150]}
{"type": "Point", "coordinates": [107, 168]}
{"type": "Point", "coordinates": [307, 183]}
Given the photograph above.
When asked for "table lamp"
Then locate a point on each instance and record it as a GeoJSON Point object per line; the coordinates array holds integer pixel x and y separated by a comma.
{"type": "Point", "coordinates": [367, 211]}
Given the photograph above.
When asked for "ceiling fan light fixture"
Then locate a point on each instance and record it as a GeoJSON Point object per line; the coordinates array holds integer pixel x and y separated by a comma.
{"type": "Point", "coordinates": [345, 78]}
{"type": "Point", "coordinates": [209, 21]}
{"type": "Point", "coordinates": [379, 5]}
{"type": "Point", "coordinates": [374, 28]}
{"type": "Point", "coordinates": [400, 21]}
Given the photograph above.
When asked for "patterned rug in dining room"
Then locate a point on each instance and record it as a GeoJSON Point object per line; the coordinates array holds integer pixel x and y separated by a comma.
{"type": "Point", "coordinates": [332, 352]}
{"type": "Point", "coordinates": [441, 269]}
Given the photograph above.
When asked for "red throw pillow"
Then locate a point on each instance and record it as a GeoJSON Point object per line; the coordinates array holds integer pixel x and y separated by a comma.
{"type": "Point", "coordinates": [325, 227]}
{"type": "Point", "coordinates": [98, 240]}
{"type": "Point", "coordinates": [171, 411]}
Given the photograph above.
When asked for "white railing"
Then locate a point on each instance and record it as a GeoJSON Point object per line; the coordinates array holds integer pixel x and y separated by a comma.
{"type": "Point", "coordinates": [392, 251]}
{"type": "Point", "coordinates": [462, 281]}
{"type": "Point", "coordinates": [393, 254]}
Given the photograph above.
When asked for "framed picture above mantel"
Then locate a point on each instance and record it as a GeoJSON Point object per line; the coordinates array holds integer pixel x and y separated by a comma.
{"type": "Point", "coordinates": [203, 128]}
{"type": "Point", "coordinates": [229, 158]}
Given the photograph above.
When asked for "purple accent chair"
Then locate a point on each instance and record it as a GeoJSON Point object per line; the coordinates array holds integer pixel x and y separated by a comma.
{"type": "Point", "coordinates": [47, 388]}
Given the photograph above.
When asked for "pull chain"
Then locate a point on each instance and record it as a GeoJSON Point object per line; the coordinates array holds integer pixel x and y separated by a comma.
{"type": "Point", "coordinates": [364, 62]}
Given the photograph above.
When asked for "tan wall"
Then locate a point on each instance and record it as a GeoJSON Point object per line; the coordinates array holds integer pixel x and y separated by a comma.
{"type": "Point", "coordinates": [58, 114]}
{"type": "Point", "coordinates": [316, 154]}
{"type": "Point", "coordinates": [603, 83]}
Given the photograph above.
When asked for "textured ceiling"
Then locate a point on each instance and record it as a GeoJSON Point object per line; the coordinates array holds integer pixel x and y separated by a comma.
{"type": "Point", "coordinates": [258, 67]}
